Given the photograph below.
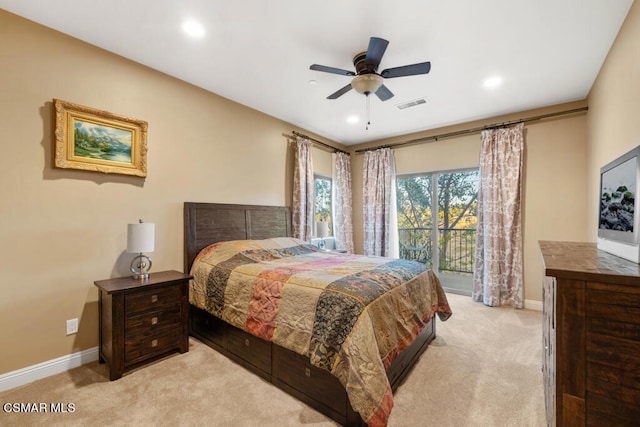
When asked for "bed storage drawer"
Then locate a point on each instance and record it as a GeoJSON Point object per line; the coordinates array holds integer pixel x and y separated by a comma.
{"type": "Point", "coordinates": [403, 362]}
{"type": "Point", "coordinates": [251, 349]}
{"type": "Point", "coordinates": [242, 347]}
{"type": "Point", "coordinates": [293, 371]}
{"type": "Point", "coordinates": [208, 328]}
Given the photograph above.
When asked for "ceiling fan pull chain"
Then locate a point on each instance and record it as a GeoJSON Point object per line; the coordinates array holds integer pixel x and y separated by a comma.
{"type": "Point", "coordinates": [368, 112]}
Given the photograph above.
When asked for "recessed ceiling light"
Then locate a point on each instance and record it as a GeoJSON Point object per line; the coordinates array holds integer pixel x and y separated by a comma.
{"type": "Point", "coordinates": [193, 29]}
{"type": "Point", "coordinates": [492, 82]}
{"type": "Point", "coordinates": [313, 82]}
{"type": "Point", "coordinates": [353, 119]}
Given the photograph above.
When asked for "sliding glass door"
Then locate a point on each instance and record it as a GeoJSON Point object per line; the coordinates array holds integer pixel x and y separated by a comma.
{"type": "Point", "coordinates": [437, 216]}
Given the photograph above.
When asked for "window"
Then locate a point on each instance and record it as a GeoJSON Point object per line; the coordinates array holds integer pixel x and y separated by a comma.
{"type": "Point", "coordinates": [437, 216]}
{"type": "Point", "coordinates": [322, 209]}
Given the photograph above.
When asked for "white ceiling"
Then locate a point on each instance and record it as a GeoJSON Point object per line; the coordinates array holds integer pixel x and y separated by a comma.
{"type": "Point", "coordinates": [258, 53]}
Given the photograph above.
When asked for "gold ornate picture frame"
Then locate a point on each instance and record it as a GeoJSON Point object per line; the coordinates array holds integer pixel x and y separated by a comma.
{"type": "Point", "coordinates": [99, 141]}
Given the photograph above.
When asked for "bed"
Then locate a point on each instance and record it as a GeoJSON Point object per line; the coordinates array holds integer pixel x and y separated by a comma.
{"type": "Point", "coordinates": [251, 280]}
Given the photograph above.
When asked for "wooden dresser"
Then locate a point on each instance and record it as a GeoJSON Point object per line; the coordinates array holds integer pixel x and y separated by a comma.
{"type": "Point", "coordinates": [142, 319]}
{"type": "Point", "coordinates": [591, 336]}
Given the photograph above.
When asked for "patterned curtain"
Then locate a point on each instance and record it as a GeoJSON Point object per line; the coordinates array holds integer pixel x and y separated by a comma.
{"type": "Point", "coordinates": [342, 202]}
{"type": "Point", "coordinates": [497, 278]}
{"type": "Point", "coordinates": [378, 206]}
{"type": "Point", "coordinates": [303, 191]}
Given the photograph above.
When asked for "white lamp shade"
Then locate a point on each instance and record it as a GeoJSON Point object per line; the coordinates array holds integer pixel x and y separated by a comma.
{"type": "Point", "coordinates": [322, 229]}
{"type": "Point", "coordinates": [140, 237]}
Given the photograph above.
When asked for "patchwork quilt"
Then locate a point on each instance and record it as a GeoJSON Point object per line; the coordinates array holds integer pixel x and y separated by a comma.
{"type": "Point", "coordinates": [350, 314]}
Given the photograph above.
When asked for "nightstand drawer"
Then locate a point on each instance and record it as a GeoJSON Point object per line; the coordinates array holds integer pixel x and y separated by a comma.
{"type": "Point", "coordinates": [150, 323]}
{"type": "Point", "coordinates": [140, 348]}
{"type": "Point", "coordinates": [155, 299]}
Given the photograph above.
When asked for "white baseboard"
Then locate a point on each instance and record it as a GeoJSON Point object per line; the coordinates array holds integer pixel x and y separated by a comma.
{"type": "Point", "coordinates": [531, 304]}
{"type": "Point", "coordinates": [51, 367]}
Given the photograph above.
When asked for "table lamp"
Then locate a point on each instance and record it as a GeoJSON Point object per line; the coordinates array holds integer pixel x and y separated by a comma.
{"type": "Point", "coordinates": [322, 229]}
{"type": "Point", "coordinates": [140, 238]}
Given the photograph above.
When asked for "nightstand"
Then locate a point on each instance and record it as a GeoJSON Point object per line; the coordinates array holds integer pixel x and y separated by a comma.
{"type": "Point", "coordinates": [336, 251]}
{"type": "Point", "coordinates": [142, 319]}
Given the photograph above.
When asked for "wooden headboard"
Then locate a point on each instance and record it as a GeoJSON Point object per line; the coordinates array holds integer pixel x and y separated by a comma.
{"type": "Point", "coordinates": [208, 223]}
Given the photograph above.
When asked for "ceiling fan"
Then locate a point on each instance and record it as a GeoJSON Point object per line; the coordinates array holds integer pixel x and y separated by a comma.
{"type": "Point", "coordinates": [366, 79]}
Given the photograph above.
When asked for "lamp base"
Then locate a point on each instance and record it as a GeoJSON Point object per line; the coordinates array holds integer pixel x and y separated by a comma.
{"type": "Point", "coordinates": [140, 267]}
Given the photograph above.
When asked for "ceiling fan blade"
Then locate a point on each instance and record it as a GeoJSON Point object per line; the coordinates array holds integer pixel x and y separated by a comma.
{"type": "Point", "coordinates": [407, 70]}
{"type": "Point", "coordinates": [333, 70]}
{"type": "Point", "coordinates": [340, 92]}
{"type": "Point", "coordinates": [384, 93]}
{"type": "Point", "coordinates": [376, 49]}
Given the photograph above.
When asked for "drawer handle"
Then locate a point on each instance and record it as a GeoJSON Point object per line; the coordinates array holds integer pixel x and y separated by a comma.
{"type": "Point", "coordinates": [154, 320]}
{"type": "Point", "coordinates": [307, 372]}
{"type": "Point", "coordinates": [154, 298]}
{"type": "Point", "coordinates": [154, 343]}
{"type": "Point", "coordinates": [246, 342]}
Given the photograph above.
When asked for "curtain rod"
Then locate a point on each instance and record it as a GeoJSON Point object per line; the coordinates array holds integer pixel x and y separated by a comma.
{"type": "Point", "coordinates": [474, 130]}
{"type": "Point", "coordinates": [315, 141]}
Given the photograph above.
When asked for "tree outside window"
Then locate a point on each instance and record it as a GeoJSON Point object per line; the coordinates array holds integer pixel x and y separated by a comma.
{"type": "Point", "coordinates": [444, 232]}
{"type": "Point", "coordinates": [323, 201]}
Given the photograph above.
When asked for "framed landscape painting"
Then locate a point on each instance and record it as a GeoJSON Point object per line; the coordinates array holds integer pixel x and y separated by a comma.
{"type": "Point", "coordinates": [95, 140]}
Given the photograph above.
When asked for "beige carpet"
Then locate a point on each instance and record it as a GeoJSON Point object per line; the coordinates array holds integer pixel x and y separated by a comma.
{"type": "Point", "coordinates": [483, 369]}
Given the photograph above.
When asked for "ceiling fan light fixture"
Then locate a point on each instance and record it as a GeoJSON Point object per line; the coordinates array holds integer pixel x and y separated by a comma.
{"type": "Point", "coordinates": [367, 83]}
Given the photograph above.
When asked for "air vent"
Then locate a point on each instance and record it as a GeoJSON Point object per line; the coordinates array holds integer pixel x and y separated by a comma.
{"type": "Point", "coordinates": [410, 104]}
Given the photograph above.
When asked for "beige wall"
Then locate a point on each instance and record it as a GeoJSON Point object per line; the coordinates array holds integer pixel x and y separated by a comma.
{"type": "Point", "coordinates": [614, 108]}
{"type": "Point", "coordinates": [554, 177]}
{"type": "Point", "coordinates": [62, 229]}
{"type": "Point", "coordinates": [322, 161]}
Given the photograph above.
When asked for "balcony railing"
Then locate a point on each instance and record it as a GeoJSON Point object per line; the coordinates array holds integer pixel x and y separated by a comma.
{"type": "Point", "coordinates": [456, 247]}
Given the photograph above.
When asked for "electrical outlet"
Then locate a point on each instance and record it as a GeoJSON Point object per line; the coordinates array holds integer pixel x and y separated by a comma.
{"type": "Point", "coordinates": [72, 326]}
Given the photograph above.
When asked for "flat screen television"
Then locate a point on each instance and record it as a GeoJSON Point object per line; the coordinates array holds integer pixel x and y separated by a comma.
{"type": "Point", "coordinates": [619, 218]}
